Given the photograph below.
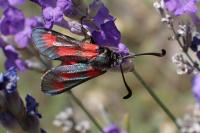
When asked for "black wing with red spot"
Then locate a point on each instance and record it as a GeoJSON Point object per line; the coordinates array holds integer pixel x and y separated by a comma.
{"type": "Point", "coordinates": [57, 46]}
{"type": "Point", "coordinates": [63, 78]}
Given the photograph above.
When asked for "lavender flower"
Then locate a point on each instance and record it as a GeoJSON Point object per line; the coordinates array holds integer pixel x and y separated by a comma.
{"type": "Point", "coordinates": [13, 115]}
{"type": "Point", "coordinates": [179, 7]}
{"type": "Point", "coordinates": [31, 106]}
{"type": "Point", "coordinates": [23, 38]}
{"type": "Point", "coordinates": [113, 129]}
{"type": "Point", "coordinates": [12, 57]}
{"type": "Point", "coordinates": [8, 80]}
{"type": "Point", "coordinates": [102, 27]}
{"type": "Point", "coordinates": [16, 2]}
{"type": "Point", "coordinates": [12, 17]}
{"type": "Point", "coordinates": [53, 11]}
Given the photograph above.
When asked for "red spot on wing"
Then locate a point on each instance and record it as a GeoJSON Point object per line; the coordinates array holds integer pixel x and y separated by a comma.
{"type": "Point", "coordinates": [89, 55]}
{"type": "Point", "coordinates": [90, 47]}
{"type": "Point", "coordinates": [64, 51]}
{"type": "Point", "coordinates": [49, 39]}
{"type": "Point", "coordinates": [70, 75]}
{"type": "Point", "coordinates": [94, 73]}
{"type": "Point", "coordinates": [69, 62]}
{"type": "Point", "coordinates": [58, 85]}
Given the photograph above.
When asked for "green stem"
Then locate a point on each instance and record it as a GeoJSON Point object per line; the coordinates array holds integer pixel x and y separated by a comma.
{"type": "Point", "coordinates": [86, 111]}
{"type": "Point", "coordinates": [156, 98]}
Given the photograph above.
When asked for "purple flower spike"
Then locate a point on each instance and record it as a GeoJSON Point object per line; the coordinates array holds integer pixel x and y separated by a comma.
{"type": "Point", "coordinates": [52, 15]}
{"type": "Point", "coordinates": [102, 16]}
{"type": "Point", "coordinates": [113, 129]}
{"type": "Point", "coordinates": [108, 35]}
{"type": "Point", "coordinates": [8, 80]}
{"type": "Point", "coordinates": [12, 22]}
{"type": "Point", "coordinates": [196, 87]}
{"type": "Point", "coordinates": [12, 57]}
{"type": "Point", "coordinates": [179, 7]}
{"type": "Point", "coordinates": [65, 5]}
{"type": "Point", "coordinates": [31, 106]}
{"type": "Point", "coordinates": [102, 28]}
{"type": "Point", "coordinates": [195, 43]}
{"type": "Point", "coordinates": [23, 38]}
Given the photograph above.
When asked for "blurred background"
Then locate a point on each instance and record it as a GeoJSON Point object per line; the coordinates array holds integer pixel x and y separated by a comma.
{"type": "Point", "coordinates": [141, 31]}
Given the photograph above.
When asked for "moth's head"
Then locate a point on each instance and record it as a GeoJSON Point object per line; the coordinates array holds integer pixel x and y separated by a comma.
{"type": "Point", "coordinates": [126, 61]}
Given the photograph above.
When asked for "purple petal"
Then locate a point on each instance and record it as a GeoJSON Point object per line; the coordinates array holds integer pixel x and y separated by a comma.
{"type": "Point", "coordinates": [23, 38]}
{"type": "Point", "coordinates": [113, 129]}
{"type": "Point", "coordinates": [171, 5]}
{"type": "Point", "coordinates": [45, 3]}
{"type": "Point", "coordinates": [122, 48]}
{"type": "Point", "coordinates": [52, 15]}
{"type": "Point", "coordinates": [12, 58]}
{"type": "Point", "coordinates": [108, 35]}
{"type": "Point", "coordinates": [65, 4]}
{"type": "Point", "coordinates": [16, 2]}
{"type": "Point", "coordinates": [12, 22]}
{"type": "Point", "coordinates": [4, 4]}
{"type": "Point", "coordinates": [196, 87]}
{"type": "Point", "coordinates": [31, 106]}
{"type": "Point", "coordinates": [179, 7]}
{"type": "Point", "coordinates": [101, 16]}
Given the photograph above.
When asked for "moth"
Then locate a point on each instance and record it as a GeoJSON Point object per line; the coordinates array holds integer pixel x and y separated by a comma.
{"type": "Point", "coordinates": [80, 61]}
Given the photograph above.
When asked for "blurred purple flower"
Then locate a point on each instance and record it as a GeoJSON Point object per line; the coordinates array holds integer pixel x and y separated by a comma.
{"type": "Point", "coordinates": [123, 49]}
{"type": "Point", "coordinates": [4, 4]}
{"type": "Point", "coordinates": [12, 57]}
{"type": "Point", "coordinates": [179, 7]}
{"type": "Point", "coordinates": [53, 10]}
{"type": "Point", "coordinates": [107, 35]}
{"type": "Point", "coordinates": [113, 129]}
{"type": "Point", "coordinates": [45, 3]}
{"type": "Point", "coordinates": [16, 2]}
{"type": "Point", "coordinates": [65, 5]}
{"type": "Point", "coordinates": [103, 29]}
{"type": "Point", "coordinates": [23, 38]}
{"type": "Point", "coordinates": [8, 80]}
{"type": "Point", "coordinates": [31, 106]}
{"type": "Point", "coordinates": [52, 15]}
{"type": "Point", "coordinates": [196, 87]}
{"type": "Point", "coordinates": [12, 21]}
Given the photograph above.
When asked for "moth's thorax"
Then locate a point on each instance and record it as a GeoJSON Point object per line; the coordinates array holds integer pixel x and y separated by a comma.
{"type": "Point", "coordinates": [108, 59]}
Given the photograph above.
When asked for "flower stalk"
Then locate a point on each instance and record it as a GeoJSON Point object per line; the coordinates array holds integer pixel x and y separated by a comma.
{"type": "Point", "coordinates": [86, 111]}
{"type": "Point", "coordinates": [156, 98]}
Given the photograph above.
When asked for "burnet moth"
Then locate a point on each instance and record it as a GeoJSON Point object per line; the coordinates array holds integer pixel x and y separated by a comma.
{"type": "Point", "coordinates": [80, 61]}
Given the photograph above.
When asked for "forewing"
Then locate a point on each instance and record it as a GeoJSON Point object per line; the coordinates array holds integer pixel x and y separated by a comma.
{"type": "Point", "coordinates": [62, 78]}
{"type": "Point", "coordinates": [58, 46]}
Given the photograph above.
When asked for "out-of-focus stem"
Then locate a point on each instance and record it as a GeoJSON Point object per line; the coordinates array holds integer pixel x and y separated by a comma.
{"type": "Point", "coordinates": [86, 111]}
{"type": "Point", "coordinates": [156, 98]}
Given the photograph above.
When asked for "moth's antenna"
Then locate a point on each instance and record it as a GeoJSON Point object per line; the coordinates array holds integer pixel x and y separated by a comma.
{"type": "Point", "coordinates": [163, 52]}
{"type": "Point", "coordinates": [127, 87]}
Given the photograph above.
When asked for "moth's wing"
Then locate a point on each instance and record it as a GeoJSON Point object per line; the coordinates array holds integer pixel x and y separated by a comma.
{"type": "Point", "coordinates": [58, 46]}
{"type": "Point", "coordinates": [62, 78]}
